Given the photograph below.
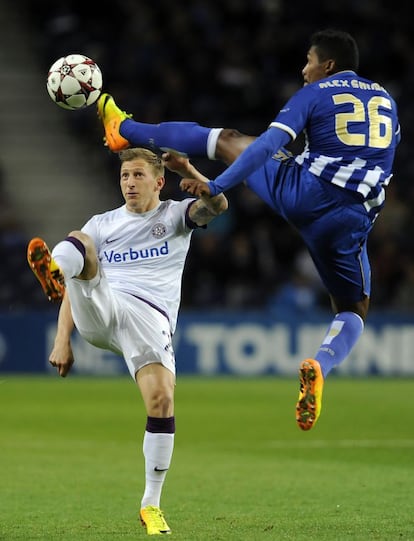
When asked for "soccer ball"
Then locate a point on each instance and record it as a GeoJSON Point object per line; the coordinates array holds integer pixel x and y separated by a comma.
{"type": "Point", "coordinates": [74, 81]}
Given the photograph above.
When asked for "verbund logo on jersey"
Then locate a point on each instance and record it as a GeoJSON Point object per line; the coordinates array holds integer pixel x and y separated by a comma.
{"type": "Point", "coordinates": [133, 255]}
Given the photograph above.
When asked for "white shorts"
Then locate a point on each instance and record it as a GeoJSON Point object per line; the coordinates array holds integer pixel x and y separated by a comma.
{"type": "Point", "coordinates": [121, 323]}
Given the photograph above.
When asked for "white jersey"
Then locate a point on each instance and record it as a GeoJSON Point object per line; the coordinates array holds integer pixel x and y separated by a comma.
{"type": "Point", "coordinates": [144, 254]}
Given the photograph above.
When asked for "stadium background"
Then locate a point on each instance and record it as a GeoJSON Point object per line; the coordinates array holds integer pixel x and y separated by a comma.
{"type": "Point", "coordinates": [249, 285]}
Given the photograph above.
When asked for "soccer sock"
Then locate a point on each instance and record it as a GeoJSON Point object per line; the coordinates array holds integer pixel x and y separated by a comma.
{"type": "Point", "coordinates": [158, 448]}
{"type": "Point", "coordinates": [187, 137]}
{"type": "Point", "coordinates": [341, 337]}
{"type": "Point", "coordinates": [69, 254]}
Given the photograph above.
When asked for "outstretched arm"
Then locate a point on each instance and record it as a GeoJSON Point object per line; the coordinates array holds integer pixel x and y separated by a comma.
{"type": "Point", "coordinates": [253, 157]}
{"type": "Point", "coordinates": [62, 356]}
{"type": "Point", "coordinates": [206, 207]}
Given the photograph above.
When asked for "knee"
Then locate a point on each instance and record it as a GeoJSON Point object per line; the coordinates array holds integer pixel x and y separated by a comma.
{"type": "Point", "coordinates": [360, 308]}
{"type": "Point", "coordinates": [83, 237]}
{"type": "Point", "coordinates": [87, 242]}
{"type": "Point", "coordinates": [161, 403]}
{"type": "Point", "coordinates": [228, 134]}
{"type": "Point", "coordinates": [231, 144]}
{"type": "Point", "coordinates": [91, 263]}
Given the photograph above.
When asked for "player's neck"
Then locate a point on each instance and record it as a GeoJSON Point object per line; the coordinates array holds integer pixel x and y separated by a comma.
{"type": "Point", "coordinates": [139, 207]}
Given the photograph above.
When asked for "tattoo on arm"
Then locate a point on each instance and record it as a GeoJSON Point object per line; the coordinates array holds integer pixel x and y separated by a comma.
{"type": "Point", "coordinates": [206, 208]}
{"type": "Point", "coordinates": [200, 213]}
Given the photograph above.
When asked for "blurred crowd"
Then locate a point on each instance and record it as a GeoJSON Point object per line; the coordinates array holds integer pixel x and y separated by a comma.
{"type": "Point", "coordinates": [234, 63]}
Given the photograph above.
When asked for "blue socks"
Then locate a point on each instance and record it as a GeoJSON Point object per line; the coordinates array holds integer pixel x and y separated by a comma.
{"type": "Point", "coordinates": [187, 137]}
{"type": "Point", "coordinates": [341, 337]}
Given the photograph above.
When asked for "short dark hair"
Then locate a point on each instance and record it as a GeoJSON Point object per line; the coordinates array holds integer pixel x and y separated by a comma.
{"type": "Point", "coordinates": [336, 45]}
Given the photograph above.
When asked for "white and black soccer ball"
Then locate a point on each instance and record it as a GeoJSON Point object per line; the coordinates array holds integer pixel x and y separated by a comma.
{"type": "Point", "coordinates": [74, 81]}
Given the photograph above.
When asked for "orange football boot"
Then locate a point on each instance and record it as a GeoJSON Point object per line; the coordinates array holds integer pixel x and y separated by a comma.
{"type": "Point", "coordinates": [112, 118]}
{"type": "Point", "coordinates": [309, 405]}
{"type": "Point", "coordinates": [46, 269]}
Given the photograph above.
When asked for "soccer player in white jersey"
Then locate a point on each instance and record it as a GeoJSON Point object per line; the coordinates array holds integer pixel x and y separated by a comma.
{"type": "Point", "coordinates": [119, 280]}
{"type": "Point", "coordinates": [331, 193]}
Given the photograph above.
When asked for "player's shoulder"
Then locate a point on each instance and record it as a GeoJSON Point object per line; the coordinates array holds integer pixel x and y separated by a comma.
{"type": "Point", "coordinates": [336, 81]}
{"type": "Point", "coordinates": [176, 204]}
{"type": "Point", "coordinates": [343, 81]}
{"type": "Point", "coordinates": [177, 211]}
{"type": "Point", "coordinates": [108, 215]}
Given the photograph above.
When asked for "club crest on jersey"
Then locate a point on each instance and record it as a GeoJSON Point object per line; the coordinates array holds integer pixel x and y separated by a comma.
{"type": "Point", "coordinates": [159, 230]}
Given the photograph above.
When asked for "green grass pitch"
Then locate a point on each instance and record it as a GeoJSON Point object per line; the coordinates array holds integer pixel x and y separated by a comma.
{"type": "Point", "coordinates": [72, 469]}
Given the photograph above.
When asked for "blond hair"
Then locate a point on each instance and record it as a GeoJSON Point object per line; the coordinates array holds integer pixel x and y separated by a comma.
{"type": "Point", "coordinates": [148, 156]}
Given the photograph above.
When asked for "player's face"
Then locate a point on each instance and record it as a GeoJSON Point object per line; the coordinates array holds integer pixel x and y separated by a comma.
{"type": "Point", "coordinates": [314, 70]}
{"type": "Point", "coordinates": [140, 186]}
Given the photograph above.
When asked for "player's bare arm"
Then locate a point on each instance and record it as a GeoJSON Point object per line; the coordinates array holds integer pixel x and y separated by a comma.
{"type": "Point", "coordinates": [207, 207]}
{"type": "Point", "coordinates": [61, 355]}
{"type": "Point", "coordinates": [195, 186]}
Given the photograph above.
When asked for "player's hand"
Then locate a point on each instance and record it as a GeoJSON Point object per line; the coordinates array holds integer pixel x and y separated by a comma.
{"type": "Point", "coordinates": [195, 187]}
{"type": "Point", "coordinates": [62, 358]}
{"type": "Point", "coordinates": [177, 162]}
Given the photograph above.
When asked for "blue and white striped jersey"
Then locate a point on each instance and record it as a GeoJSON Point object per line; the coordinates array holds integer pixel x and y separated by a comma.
{"type": "Point", "coordinates": [351, 129]}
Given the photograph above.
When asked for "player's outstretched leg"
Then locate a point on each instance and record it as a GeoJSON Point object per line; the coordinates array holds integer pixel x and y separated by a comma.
{"type": "Point", "coordinates": [153, 519]}
{"type": "Point", "coordinates": [121, 131]}
{"type": "Point", "coordinates": [309, 405]}
{"type": "Point", "coordinates": [46, 269]}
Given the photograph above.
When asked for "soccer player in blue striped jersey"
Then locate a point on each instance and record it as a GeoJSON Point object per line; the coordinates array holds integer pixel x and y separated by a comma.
{"type": "Point", "coordinates": [331, 193]}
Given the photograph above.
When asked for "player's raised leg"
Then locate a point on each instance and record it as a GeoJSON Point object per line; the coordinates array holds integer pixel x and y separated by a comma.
{"type": "Point", "coordinates": [67, 260]}
{"type": "Point", "coordinates": [121, 131]}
